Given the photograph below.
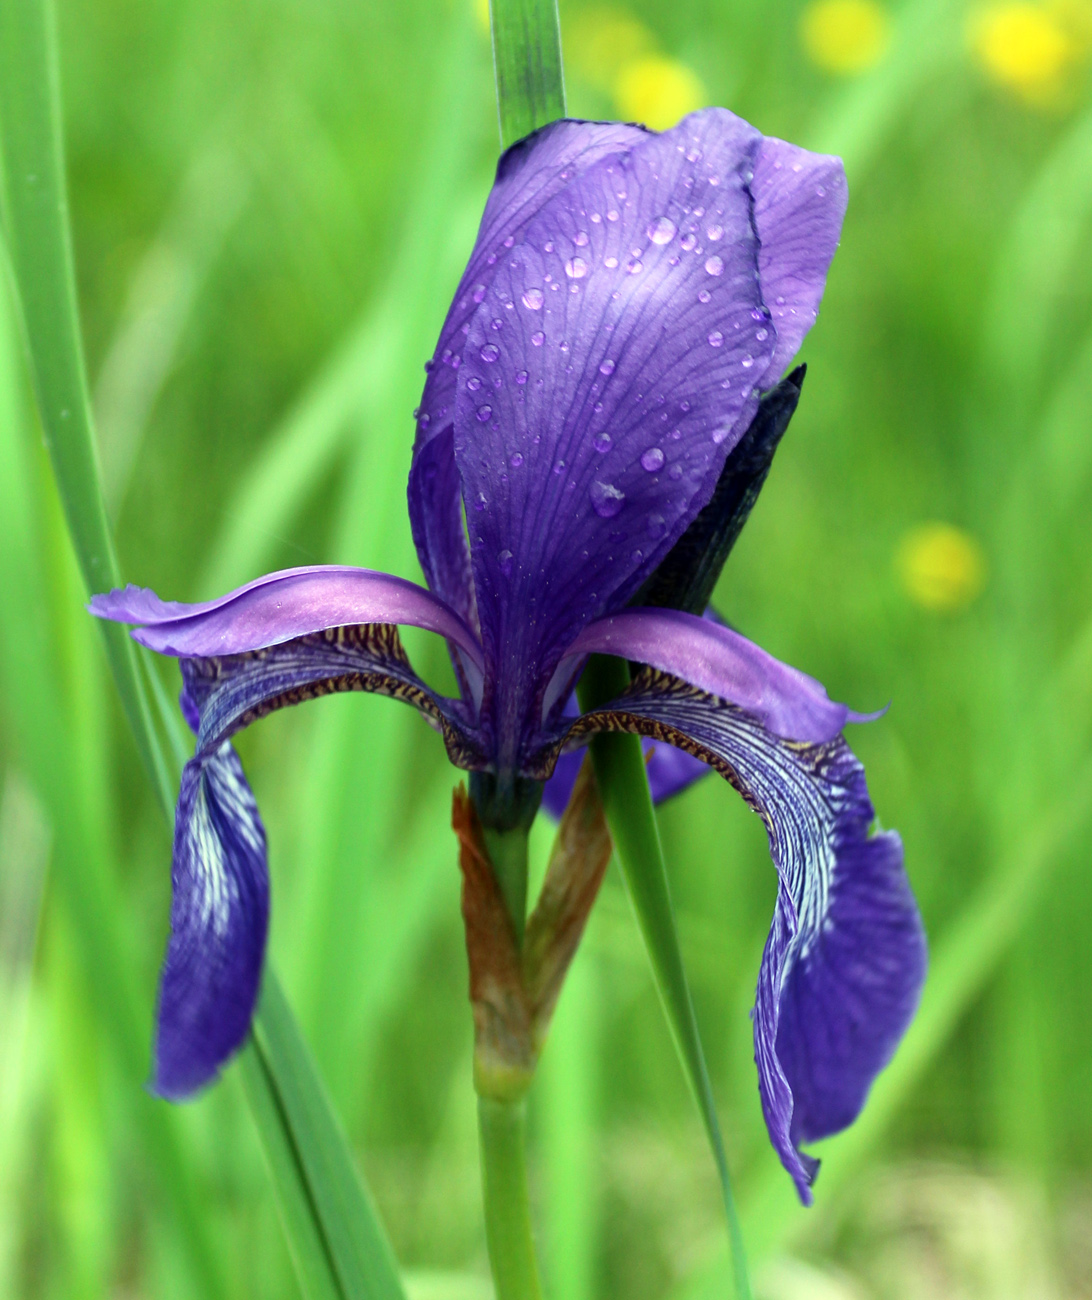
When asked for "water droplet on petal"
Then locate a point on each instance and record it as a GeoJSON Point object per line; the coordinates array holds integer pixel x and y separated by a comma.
{"type": "Point", "coordinates": [715, 266]}
{"type": "Point", "coordinates": [606, 367]}
{"type": "Point", "coordinates": [747, 362]}
{"type": "Point", "coordinates": [483, 413]}
{"type": "Point", "coordinates": [515, 460]}
{"type": "Point", "coordinates": [612, 215]}
{"type": "Point", "coordinates": [601, 442]}
{"type": "Point", "coordinates": [688, 241]}
{"type": "Point", "coordinates": [652, 460]}
{"type": "Point", "coordinates": [704, 295]}
{"type": "Point", "coordinates": [576, 268]}
{"type": "Point", "coordinates": [716, 338]}
{"type": "Point", "coordinates": [533, 299]}
{"type": "Point", "coordinates": [657, 525]}
{"type": "Point", "coordinates": [610, 262]}
{"type": "Point", "coordinates": [580, 239]}
{"type": "Point", "coordinates": [762, 335]}
{"type": "Point", "coordinates": [606, 499]}
{"type": "Point", "coordinates": [490, 352]}
{"type": "Point", "coordinates": [538, 338]}
{"type": "Point", "coordinates": [635, 266]}
{"type": "Point", "coordinates": [478, 292]}
{"type": "Point", "coordinates": [715, 233]}
{"type": "Point", "coordinates": [521, 376]}
{"type": "Point", "coordinates": [504, 559]}
{"type": "Point", "coordinates": [662, 230]}
{"type": "Point", "coordinates": [473, 383]}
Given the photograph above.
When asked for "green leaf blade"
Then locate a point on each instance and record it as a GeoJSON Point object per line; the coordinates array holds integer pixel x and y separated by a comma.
{"type": "Point", "coordinates": [527, 65]}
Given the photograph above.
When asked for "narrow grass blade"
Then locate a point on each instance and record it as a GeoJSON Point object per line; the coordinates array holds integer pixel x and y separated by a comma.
{"type": "Point", "coordinates": [356, 1244]}
{"type": "Point", "coordinates": [620, 771]}
{"type": "Point", "coordinates": [35, 211]}
{"type": "Point", "coordinates": [527, 65]}
{"type": "Point", "coordinates": [34, 203]}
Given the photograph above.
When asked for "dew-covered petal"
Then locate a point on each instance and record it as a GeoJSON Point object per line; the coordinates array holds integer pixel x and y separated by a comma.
{"type": "Point", "coordinates": [280, 607]}
{"type": "Point", "coordinates": [717, 659]}
{"type": "Point", "coordinates": [606, 373]}
{"type": "Point", "coordinates": [219, 916]}
{"type": "Point", "coordinates": [528, 174]}
{"type": "Point", "coordinates": [229, 692]}
{"type": "Point", "coordinates": [800, 201]}
{"type": "Point", "coordinates": [845, 959]}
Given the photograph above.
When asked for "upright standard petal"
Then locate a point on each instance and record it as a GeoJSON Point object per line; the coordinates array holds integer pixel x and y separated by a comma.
{"type": "Point", "coordinates": [606, 373]}
{"type": "Point", "coordinates": [845, 960]}
{"type": "Point", "coordinates": [280, 607]}
{"type": "Point", "coordinates": [528, 174]}
{"type": "Point", "coordinates": [219, 917]}
{"type": "Point", "coordinates": [800, 201]}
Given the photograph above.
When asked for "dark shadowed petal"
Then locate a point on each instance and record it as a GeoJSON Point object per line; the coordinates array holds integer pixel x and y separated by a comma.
{"type": "Point", "coordinates": [230, 692]}
{"type": "Point", "coordinates": [219, 916]}
{"type": "Point", "coordinates": [718, 660]}
{"type": "Point", "coordinates": [607, 371]}
{"type": "Point", "coordinates": [800, 200]}
{"type": "Point", "coordinates": [279, 607]}
{"type": "Point", "coordinates": [528, 174]}
{"type": "Point", "coordinates": [670, 771]}
{"type": "Point", "coordinates": [844, 963]}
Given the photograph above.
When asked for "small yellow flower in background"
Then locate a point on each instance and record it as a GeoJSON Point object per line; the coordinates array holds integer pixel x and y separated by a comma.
{"type": "Point", "coordinates": [941, 567]}
{"type": "Point", "coordinates": [601, 42]}
{"type": "Point", "coordinates": [481, 13]}
{"type": "Point", "coordinates": [845, 36]}
{"type": "Point", "coordinates": [1027, 48]}
{"type": "Point", "coordinates": [658, 91]}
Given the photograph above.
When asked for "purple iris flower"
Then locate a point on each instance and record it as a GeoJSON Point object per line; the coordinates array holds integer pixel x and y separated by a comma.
{"type": "Point", "coordinates": [629, 297]}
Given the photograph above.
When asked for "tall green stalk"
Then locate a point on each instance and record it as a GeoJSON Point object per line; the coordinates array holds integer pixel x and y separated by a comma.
{"type": "Point", "coordinates": [355, 1260]}
{"type": "Point", "coordinates": [527, 65]}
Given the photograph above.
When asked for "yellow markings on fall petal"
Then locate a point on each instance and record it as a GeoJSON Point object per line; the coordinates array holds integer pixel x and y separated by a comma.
{"type": "Point", "coordinates": [1030, 49]}
{"type": "Point", "coordinates": [941, 568]}
{"type": "Point", "coordinates": [658, 91]}
{"type": "Point", "coordinates": [845, 36]}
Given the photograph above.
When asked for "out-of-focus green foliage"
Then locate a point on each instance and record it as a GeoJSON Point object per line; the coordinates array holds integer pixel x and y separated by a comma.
{"type": "Point", "coordinates": [268, 224]}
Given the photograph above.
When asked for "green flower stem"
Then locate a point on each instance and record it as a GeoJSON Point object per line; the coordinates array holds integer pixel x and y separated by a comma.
{"type": "Point", "coordinates": [508, 1234]}
{"type": "Point", "coordinates": [527, 65]}
{"type": "Point", "coordinates": [508, 853]}
{"type": "Point", "coordinates": [627, 802]}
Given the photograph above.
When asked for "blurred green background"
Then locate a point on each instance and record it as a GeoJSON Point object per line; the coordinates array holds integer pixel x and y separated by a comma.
{"type": "Point", "coordinates": [271, 203]}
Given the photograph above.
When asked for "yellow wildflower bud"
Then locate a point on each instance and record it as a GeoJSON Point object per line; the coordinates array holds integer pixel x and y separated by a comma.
{"type": "Point", "coordinates": [845, 36]}
{"type": "Point", "coordinates": [1024, 47]}
{"type": "Point", "coordinates": [658, 91]}
{"type": "Point", "coordinates": [941, 567]}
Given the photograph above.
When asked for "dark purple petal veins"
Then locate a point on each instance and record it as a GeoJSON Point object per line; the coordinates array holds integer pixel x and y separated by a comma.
{"type": "Point", "coordinates": [611, 363]}
{"type": "Point", "coordinates": [845, 960]}
{"type": "Point", "coordinates": [219, 916]}
{"type": "Point", "coordinates": [670, 772]}
{"type": "Point", "coordinates": [718, 660]}
{"type": "Point", "coordinates": [528, 174]}
{"type": "Point", "coordinates": [230, 692]}
{"type": "Point", "coordinates": [279, 607]}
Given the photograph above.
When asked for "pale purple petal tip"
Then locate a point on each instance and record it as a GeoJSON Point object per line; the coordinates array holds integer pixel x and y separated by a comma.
{"type": "Point", "coordinates": [280, 607]}
{"type": "Point", "coordinates": [718, 660]}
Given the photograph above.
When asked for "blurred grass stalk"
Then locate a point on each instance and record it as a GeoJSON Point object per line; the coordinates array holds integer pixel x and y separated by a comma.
{"type": "Point", "coordinates": [355, 1259]}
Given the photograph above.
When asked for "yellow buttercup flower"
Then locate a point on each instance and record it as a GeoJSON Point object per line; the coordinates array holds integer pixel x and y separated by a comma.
{"type": "Point", "coordinates": [845, 36]}
{"type": "Point", "coordinates": [658, 91]}
{"type": "Point", "coordinates": [941, 567]}
{"type": "Point", "coordinates": [1027, 48]}
{"type": "Point", "coordinates": [601, 42]}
